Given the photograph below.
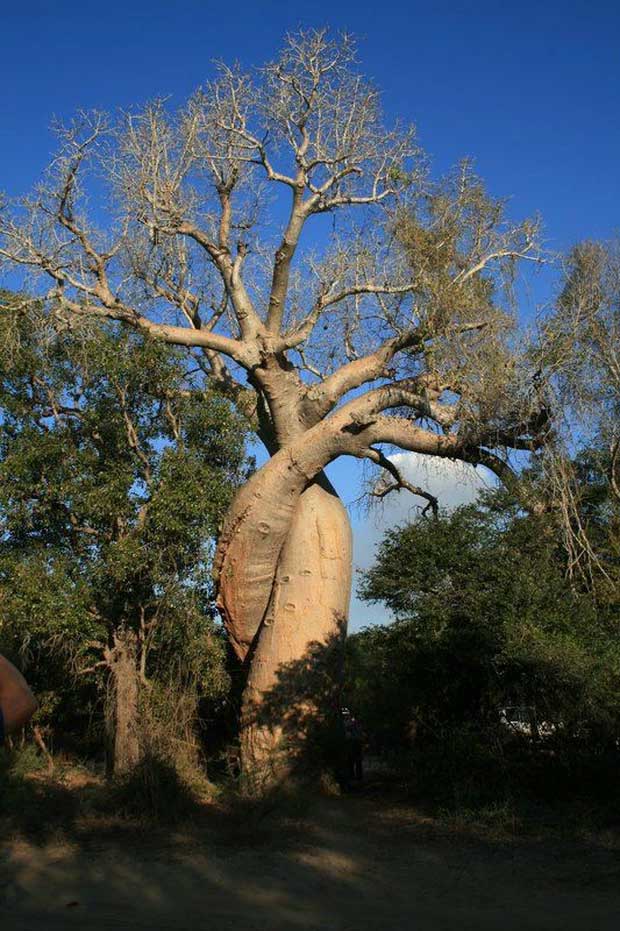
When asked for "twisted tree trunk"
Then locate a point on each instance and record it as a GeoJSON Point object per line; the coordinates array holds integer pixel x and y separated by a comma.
{"type": "Point", "coordinates": [295, 666]}
{"type": "Point", "coordinates": [284, 570]}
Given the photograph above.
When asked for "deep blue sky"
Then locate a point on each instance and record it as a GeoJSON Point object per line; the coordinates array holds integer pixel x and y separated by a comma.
{"type": "Point", "coordinates": [531, 91]}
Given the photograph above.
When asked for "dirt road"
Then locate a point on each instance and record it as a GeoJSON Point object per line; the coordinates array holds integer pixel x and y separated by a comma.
{"type": "Point", "coordinates": [349, 865]}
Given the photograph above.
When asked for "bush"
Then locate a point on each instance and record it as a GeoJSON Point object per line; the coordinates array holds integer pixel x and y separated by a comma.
{"type": "Point", "coordinates": [486, 618]}
{"type": "Point", "coordinates": [154, 790]}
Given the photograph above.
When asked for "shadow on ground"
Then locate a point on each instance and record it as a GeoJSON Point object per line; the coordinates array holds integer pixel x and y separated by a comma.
{"type": "Point", "coordinates": [334, 864]}
{"type": "Point", "coordinates": [75, 856]}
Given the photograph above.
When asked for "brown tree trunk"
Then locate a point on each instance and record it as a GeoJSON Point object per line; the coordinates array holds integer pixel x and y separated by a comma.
{"type": "Point", "coordinates": [40, 742]}
{"type": "Point", "coordinates": [295, 660]}
{"type": "Point", "coordinates": [123, 713]}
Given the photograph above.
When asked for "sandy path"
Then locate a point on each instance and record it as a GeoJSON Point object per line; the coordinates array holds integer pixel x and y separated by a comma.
{"type": "Point", "coordinates": [349, 867]}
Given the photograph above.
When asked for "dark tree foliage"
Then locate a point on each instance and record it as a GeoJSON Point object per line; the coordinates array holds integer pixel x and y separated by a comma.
{"type": "Point", "coordinates": [113, 480]}
{"type": "Point", "coordinates": [486, 618]}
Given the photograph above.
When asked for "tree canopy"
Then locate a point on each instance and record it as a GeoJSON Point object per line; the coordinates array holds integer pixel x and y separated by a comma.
{"type": "Point", "coordinates": [408, 288]}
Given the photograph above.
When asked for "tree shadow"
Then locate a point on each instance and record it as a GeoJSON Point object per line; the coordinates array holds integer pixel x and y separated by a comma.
{"type": "Point", "coordinates": [32, 804]}
{"type": "Point", "coordinates": [301, 716]}
{"type": "Point", "coordinates": [346, 864]}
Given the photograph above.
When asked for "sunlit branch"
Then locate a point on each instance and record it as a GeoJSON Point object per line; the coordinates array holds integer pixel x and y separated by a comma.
{"type": "Point", "coordinates": [400, 483]}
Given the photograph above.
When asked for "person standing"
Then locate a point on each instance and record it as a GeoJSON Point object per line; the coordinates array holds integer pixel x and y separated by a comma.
{"type": "Point", "coordinates": [17, 703]}
{"type": "Point", "coordinates": [354, 739]}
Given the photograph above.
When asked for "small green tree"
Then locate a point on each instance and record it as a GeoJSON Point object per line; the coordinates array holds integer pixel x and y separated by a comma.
{"type": "Point", "coordinates": [114, 476]}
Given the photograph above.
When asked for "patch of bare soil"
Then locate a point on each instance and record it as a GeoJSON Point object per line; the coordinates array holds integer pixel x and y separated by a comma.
{"type": "Point", "coordinates": [347, 864]}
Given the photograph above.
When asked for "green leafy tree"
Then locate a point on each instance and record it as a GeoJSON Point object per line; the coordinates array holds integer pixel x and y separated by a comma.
{"type": "Point", "coordinates": [485, 618]}
{"type": "Point", "coordinates": [116, 467]}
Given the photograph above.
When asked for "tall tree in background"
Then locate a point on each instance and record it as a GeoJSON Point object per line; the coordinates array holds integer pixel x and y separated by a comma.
{"type": "Point", "coordinates": [580, 356]}
{"type": "Point", "coordinates": [278, 229]}
{"type": "Point", "coordinates": [114, 476]}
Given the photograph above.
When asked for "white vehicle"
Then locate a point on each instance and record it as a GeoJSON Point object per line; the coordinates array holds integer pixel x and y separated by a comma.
{"type": "Point", "coordinates": [522, 719]}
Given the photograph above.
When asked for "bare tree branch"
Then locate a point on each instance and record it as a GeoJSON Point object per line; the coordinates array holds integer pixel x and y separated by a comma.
{"type": "Point", "coordinates": [383, 489]}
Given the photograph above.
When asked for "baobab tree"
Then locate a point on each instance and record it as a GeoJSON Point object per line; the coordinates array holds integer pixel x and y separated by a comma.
{"type": "Point", "coordinates": [345, 302]}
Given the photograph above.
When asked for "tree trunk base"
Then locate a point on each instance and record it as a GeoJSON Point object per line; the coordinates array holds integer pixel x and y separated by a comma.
{"type": "Point", "coordinates": [291, 703]}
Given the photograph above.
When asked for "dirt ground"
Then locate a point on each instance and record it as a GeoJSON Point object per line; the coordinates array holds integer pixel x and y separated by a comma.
{"type": "Point", "coordinates": [345, 864]}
